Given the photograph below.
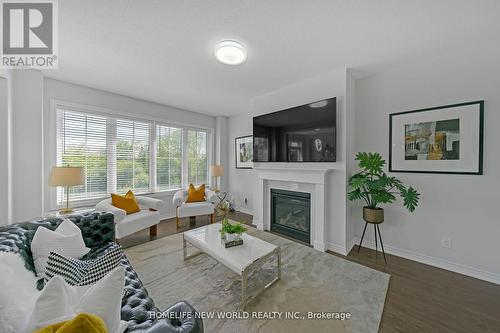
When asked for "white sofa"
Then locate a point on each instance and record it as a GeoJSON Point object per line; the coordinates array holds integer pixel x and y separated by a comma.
{"type": "Point", "coordinates": [185, 209]}
{"type": "Point", "coordinates": [148, 217]}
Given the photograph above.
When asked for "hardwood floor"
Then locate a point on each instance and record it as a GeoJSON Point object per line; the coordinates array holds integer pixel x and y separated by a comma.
{"type": "Point", "coordinates": [168, 227]}
{"type": "Point", "coordinates": [421, 298]}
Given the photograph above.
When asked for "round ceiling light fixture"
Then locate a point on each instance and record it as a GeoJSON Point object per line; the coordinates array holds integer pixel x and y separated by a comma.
{"type": "Point", "coordinates": [230, 52]}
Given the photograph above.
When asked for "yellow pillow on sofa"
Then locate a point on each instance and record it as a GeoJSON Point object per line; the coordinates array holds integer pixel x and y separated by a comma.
{"type": "Point", "coordinates": [84, 322]}
{"type": "Point", "coordinates": [126, 202]}
{"type": "Point", "coordinates": [196, 194]}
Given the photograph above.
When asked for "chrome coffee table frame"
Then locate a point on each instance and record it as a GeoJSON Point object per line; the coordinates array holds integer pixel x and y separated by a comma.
{"type": "Point", "coordinates": [249, 268]}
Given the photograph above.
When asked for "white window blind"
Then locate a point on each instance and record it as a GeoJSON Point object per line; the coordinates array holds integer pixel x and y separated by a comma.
{"type": "Point", "coordinates": [119, 154]}
{"type": "Point", "coordinates": [197, 157]}
{"type": "Point", "coordinates": [81, 141]}
{"type": "Point", "coordinates": [168, 157]}
{"type": "Point", "coordinates": [132, 156]}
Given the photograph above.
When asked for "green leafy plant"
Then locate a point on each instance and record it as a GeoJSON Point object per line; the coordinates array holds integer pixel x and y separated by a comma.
{"type": "Point", "coordinates": [374, 186]}
{"type": "Point", "coordinates": [229, 228]}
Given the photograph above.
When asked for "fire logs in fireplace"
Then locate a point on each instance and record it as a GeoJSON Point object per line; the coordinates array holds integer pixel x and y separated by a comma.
{"type": "Point", "coordinates": [291, 214]}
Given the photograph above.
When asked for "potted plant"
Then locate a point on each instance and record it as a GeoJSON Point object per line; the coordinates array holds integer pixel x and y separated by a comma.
{"type": "Point", "coordinates": [374, 187]}
{"type": "Point", "coordinates": [231, 231]}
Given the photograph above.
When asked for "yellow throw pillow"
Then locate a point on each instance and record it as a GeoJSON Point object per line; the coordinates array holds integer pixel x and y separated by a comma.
{"type": "Point", "coordinates": [196, 194]}
{"type": "Point", "coordinates": [84, 322]}
{"type": "Point", "coordinates": [126, 202]}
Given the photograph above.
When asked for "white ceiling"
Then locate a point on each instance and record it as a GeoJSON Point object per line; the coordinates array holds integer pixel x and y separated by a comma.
{"type": "Point", "coordinates": [162, 51]}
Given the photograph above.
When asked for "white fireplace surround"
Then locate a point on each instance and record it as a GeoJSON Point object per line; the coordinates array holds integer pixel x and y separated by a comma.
{"type": "Point", "coordinates": [300, 177]}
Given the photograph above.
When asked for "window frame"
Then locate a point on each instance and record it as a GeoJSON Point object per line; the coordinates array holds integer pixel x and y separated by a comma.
{"type": "Point", "coordinates": [112, 115]}
{"type": "Point", "coordinates": [151, 127]}
{"type": "Point", "coordinates": [183, 130]}
{"type": "Point", "coordinates": [185, 158]}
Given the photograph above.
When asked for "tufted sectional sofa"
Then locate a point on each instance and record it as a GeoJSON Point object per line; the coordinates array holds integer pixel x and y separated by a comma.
{"type": "Point", "coordinates": [98, 233]}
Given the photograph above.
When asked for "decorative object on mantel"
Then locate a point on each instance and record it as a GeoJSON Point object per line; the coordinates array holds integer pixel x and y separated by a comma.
{"type": "Point", "coordinates": [445, 139]}
{"type": "Point", "coordinates": [243, 149]}
{"type": "Point", "coordinates": [374, 187]}
{"type": "Point", "coordinates": [231, 233]}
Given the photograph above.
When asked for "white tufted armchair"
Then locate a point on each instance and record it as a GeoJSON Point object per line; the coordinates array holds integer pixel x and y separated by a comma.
{"type": "Point", "coordinates": [148, 217]}
{"type": "Point", "coordinates": [185, 209]}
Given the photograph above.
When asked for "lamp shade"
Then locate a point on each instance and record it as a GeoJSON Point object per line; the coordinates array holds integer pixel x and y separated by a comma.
{"type": "Point", "coordinates": [67, 176]}
{"type": "Point", "coordinates": [216, 170]}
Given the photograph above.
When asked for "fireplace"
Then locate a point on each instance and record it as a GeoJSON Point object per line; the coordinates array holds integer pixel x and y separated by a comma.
{"type": "Point", "coordinates": [291, 214]}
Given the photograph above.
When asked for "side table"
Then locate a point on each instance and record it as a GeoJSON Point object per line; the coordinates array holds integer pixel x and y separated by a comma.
{"type": "Point", "coordinates": [56, 213]}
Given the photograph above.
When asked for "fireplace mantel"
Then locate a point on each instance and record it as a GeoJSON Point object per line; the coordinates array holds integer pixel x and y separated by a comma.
{"type": "Point", "coordinates": [304, 177]}
{"type": "Point", "coordinates": [313, 166]}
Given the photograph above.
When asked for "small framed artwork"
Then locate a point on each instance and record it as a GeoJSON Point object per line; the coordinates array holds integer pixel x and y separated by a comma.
{"type": "Point", "coordinates": [243, 147]}
{"type": "Point", "coordinates": [446, 139]}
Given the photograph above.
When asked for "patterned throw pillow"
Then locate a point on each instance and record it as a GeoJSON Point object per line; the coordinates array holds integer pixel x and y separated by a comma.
{"type": "Point", "coordinates": [83, 272]}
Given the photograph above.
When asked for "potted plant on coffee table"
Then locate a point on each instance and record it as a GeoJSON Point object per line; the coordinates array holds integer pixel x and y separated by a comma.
{"type": "Point", "coordinates": [230, 231]}
{"type": "Point", "coordinates": [375, 188]}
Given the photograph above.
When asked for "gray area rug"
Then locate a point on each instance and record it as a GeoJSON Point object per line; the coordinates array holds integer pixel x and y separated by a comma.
{"type": "Point", "coordinates": [311, 281]}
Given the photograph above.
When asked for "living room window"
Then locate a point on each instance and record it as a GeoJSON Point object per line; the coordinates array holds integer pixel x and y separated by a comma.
{"type": "Point", "coordinates": [197, 157]}
{"type": "Point", "coordinates": [82, 141]}
{"type": "Point", "coordinates": [132, 156]}
{"type": "Point", "coordinates": [168, 158]}
{"type": "Point", "coordinates": [119, 154]}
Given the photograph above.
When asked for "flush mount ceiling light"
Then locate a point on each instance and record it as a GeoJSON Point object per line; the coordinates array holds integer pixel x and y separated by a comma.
{"type": "Point", "coordinates": [230, 52]}
{"type": "Point", "coordinates": [319, 104]}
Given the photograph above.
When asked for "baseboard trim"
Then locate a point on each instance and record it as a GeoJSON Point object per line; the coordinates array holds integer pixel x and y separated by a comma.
{"type": "Point", "coordinates": [337, 248]}
{"type": "Point", "coordinates": [354, 242]}
{"type": "Point", "coordinates": [436, 262]}
{"type": "Point", "coordinates": [246, 211]}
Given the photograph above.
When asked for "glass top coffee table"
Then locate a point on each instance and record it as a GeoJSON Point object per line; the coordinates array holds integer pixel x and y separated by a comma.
{"type": "Point", "coordinates": [240, 259]}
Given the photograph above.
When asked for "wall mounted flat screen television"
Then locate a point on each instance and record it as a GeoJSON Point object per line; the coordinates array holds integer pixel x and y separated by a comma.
{"type": "Point", "coordinates": [305, 133]}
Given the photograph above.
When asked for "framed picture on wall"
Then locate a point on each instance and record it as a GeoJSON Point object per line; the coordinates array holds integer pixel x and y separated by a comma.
{"type": "Point", "coordinates": [243, 147]}
{"type": "Point", "coordinates": [445, 139]}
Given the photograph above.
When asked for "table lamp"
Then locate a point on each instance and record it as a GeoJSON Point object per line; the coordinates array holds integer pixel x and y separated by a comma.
{"type": "Point", "coordinates": [67, 176]}
{"type": "Point", "coordinates": [216, 171]}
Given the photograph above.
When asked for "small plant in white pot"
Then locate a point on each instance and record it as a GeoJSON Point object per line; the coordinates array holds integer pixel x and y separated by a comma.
{"type": "Point", "coordinates": [231, 232]}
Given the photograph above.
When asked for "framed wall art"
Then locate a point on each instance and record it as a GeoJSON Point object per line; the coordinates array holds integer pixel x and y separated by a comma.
{"type": "Point", "coordinates": [243, 147]}
{"type": "Point", "coordinates": [446, 139]}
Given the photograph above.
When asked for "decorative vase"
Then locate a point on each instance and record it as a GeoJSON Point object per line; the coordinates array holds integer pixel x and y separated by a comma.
{"type": "Point", "coordinates": [371, 215]}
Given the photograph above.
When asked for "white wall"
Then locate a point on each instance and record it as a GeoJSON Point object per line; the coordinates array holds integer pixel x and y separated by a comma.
{"type": "Point", "coordinates": [461, 207]}
{"type": "Point", "coordinates": [242, 182]}
{"type": "Point", "coordinates": [221, 148]}
{"type": "Point", "coordinates": [27, 148]}
{"type": "Point", "coordinates": [350, 152]}
{"type": "Point", "coordinates": [4, 151]}
{"type": "Point", "coordinates": [59, 90]}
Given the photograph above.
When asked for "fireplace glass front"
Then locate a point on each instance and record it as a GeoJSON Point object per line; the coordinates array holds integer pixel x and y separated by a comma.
{"type": "Point", "coordinates": [291, 214]}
